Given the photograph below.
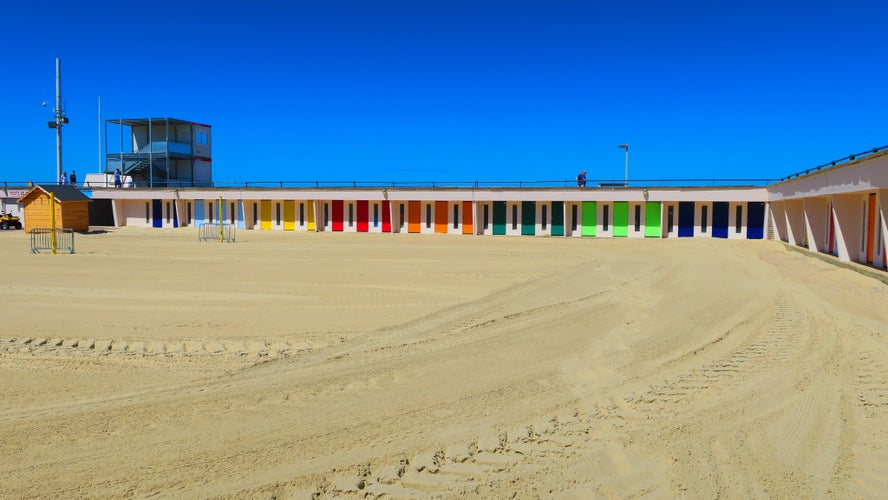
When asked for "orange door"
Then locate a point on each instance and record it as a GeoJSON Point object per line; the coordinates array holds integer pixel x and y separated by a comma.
{"type": "Point", "coordinates": [440, 216]}
{"type": "Point", "coordinates": [467, 225]}
{"type": "Point", "coordinates": [871, 229]}
{"type": "Point", "coordinates": [414, 214]}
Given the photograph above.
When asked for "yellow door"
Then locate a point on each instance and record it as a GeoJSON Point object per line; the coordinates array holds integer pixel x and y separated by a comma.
{"type": "Point", "coordinates": [311, 215]}
{"type": "Point", "coordinates": [289, 215]}
{"type": "Point", "coordinates": [265, 215]}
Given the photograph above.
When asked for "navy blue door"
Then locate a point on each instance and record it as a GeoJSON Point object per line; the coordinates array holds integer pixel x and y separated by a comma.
{"type": "Point", "coordinates": [157, 213]}
{"type": "Point", "coordinates": [755, 224]}
{"type": "Point", "coordinates": [685, 219]}
{"type": "Point", "coordinates": [720, 219]}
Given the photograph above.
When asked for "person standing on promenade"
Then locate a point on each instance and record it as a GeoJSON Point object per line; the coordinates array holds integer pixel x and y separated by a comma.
{"type": "Point", "coordinates": [581, 179]}
{"type": "Point", "coordinates": [73, 178]}
{"type": "Point", "coordinates": [117, 178]}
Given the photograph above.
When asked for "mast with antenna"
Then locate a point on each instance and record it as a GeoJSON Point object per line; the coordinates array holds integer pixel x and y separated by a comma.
{"type": "Point", "coordinates": [60, 118]}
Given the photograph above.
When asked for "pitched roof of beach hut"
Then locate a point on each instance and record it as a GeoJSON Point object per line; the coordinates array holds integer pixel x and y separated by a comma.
{"type": "Point", "coordinates": [61, 193]}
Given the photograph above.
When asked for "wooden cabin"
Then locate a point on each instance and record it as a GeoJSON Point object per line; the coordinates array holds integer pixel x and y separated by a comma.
{"type": "Point", "coordinates": [71, 208]}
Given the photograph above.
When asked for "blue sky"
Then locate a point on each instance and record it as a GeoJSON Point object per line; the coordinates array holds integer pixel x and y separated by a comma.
{"type": "Point", "coordinates": [343, 90]}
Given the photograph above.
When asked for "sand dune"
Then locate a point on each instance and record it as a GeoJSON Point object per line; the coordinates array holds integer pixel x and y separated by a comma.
{"type": "Point", "coordinates": [341, 365]}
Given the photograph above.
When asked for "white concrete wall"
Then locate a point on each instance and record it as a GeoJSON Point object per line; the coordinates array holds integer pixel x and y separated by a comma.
{"type": "Point", "coordinates": [479, 220]}
{"type": "Point", "coordinates": [817, 223]}
{"type": "Point", "coordinates": [513, 218]}
{"type": "Point", "coordinates": [543, 219]}
{"type": "Point", "coordinates": [733, 222]}
{"type": "Point", "coordinates": [664, 218]}
{"type": "Point", "coordinates": [636, 214]}
{"type": "Point", "coordinates": [600, 219]}
{"type": "Point", "coordinates": [698, 220]}
{"type": "Point", "coordinates": [427, 218]}
{"type": "Point", "coordinates": [205, 150]}
{"type": "Point", "coordinates": [795, 222]}
{"type": "Point", "coordinates": [868, 174]}
{"type": "Point", "coordinates": [573, 228]}
{"type": "Point", "coordinates": [450, 219]}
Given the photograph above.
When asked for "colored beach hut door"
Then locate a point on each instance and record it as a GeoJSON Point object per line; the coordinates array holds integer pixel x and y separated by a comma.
{"type": "Point", "coordinates": [468, 221]}
{"type": "Point", "coordinates": [198, 211]}
{"type": "Point", "coordinates": [289, 215]}
{"type": "Point", "coordinates": [871, 229]}
{"type": "Point", "coordinates": [414, 217]}
{"type": "Point", "coordinates": [652, 219]}
{"type": "Point", "coordinates": [441, 217]}
{"type": "Point", "coordinates": [755, 225]}
{"type": "Point", "coordinates": [590, 218]}
{"type": "Point", "coordinates": [386, 216]}
{"type": "Point", "coordinates": [528, 218]}
{"type": "Point", "coordinates": [685, 219]}
{"type": "Point", "coordinates": [264, 215]}
{"type": "Point", "coordinates": [720, 211]}
{"type": "Point", "coordinates": [499, 217]}
{"type": "Point", "coordinates": [557, 218]}
{"type": "Point", "coordinates": [337, 215]}
{"type": "Point", "coordinates": [157, 213]}
{"type": "Point", "coordinates": [363, 216]}
{"type": "Point", "coordinates": [621, 219]}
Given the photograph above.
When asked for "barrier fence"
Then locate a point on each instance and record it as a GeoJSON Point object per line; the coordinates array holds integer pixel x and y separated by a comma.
{"type": "Point", "coordinates": [212, 231]}
{"type": "Point", "coordinates": [48, 239]}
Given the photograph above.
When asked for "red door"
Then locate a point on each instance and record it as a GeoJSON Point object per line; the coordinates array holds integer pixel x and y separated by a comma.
{"type": "Point", "coordinates": [871, 229]}
{"type": "Point", "coordinates": [337, 215]}
{"type": "Point", "coordinates": [386, 216]}
{"type": "Point", "coordinates": [363, 215]}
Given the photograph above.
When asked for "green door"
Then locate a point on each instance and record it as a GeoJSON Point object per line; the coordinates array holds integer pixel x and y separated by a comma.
{"type": "Point", "coordinates": [557, 218]}
{"type": "Point", "coordinates": [621, 219]}
{"type": "Point", "coordinates": [652, 219]}
{"type": "Point", "coordinates": [528, 218]}
{"type": "Point", "coordinates": [590, 218]}
{"type": "Point", "coordinates": [499, 217]}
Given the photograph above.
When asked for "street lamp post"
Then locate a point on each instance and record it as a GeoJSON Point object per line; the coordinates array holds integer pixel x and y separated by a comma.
{"type": "Point", "coordinates": [626, 147]}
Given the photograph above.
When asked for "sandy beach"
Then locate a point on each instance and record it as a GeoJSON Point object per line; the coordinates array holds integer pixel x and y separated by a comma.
{"type": "Point", "coordinates": [300, 365]}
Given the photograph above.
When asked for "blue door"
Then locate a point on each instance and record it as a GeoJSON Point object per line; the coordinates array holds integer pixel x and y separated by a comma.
{"type": "Point", "coordinates": [198, 212]}
{"type": "Point", "coordinates": [157, 213]}
{"type": "Point", "coordinates": [720, 219]}
{"type": "Point", "coordinates": [685, 219]}
{"type": "Point", "coordinates": [755, 220]}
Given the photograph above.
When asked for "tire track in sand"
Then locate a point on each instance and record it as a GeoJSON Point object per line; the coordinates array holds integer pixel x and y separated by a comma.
{"type": "Point", "coordinates": [862, 470]}
{"type": "Point", "coordinates": [773, 345]}
{"type": "Point", "coordinates": [145, 348]}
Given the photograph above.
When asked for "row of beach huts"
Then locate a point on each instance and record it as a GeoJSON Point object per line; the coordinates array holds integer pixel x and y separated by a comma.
{"type": "Point", "coordinates": [840, 210]}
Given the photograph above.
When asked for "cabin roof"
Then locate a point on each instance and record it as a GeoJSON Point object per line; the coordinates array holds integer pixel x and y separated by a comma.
{"type": "Point", "coordinates": [60, 192]}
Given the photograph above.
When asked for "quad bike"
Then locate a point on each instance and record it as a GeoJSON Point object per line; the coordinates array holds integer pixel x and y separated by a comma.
{"type": "Point", "coordinates": [9, 221]}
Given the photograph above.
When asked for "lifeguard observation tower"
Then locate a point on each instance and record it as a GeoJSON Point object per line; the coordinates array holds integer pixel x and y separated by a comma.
{"type": "Point", "coordinates": [160, 152]}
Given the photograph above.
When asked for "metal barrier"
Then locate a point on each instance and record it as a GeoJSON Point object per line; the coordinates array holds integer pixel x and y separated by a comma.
{"type": "Point", "coordinates": [59, 239]}
{"type": "Point", "coordinates": [212, 231]}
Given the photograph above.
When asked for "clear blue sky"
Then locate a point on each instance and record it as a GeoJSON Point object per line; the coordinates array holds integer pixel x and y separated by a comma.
{"type": "Point", "coordinates": [340, 90]}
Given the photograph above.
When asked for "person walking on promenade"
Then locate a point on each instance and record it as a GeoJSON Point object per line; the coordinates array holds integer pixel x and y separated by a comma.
{"type": "Point", "coordinates": [581, 179]}
{"type": "Point", "coordinates": [63, 179]}
{"type": "Point", "coordinates": [73, 178]}
{"type": "Point", "coordinates": [117, 178]}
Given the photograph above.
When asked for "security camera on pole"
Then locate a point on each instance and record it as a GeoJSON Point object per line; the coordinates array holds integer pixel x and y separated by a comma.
{"type": "Point", "coordinates": [60, 118]}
